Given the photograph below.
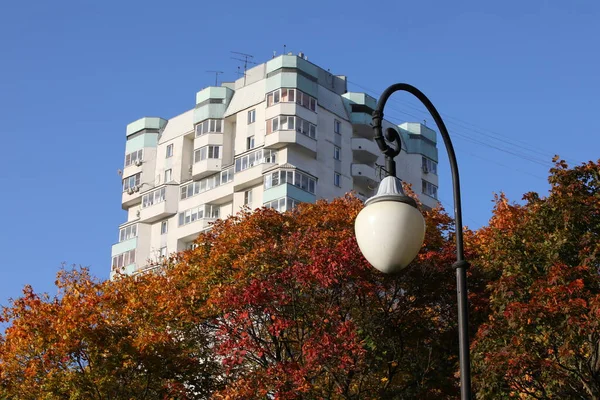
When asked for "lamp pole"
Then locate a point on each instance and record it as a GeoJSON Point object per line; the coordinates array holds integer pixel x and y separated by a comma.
{"type": "Point", "coordinates": [461, 264]}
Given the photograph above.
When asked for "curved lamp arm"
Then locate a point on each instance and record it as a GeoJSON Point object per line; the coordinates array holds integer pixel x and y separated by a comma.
{"type": "Point", "coordinates": [391, 135]}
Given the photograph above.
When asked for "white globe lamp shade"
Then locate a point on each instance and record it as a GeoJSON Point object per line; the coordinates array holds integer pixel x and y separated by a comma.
{"type": "Point", "coordinates": [390, 229]}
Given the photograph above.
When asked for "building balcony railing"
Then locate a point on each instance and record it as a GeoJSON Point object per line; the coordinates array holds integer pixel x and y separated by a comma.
{"type": "Point", "coordinates": [363, 173]}
{"type": "Point", "coordinates": [364, 150]}
{"type": "Point", "coordinates": [204, 168]}
{"type": "Point", "coordinates": [189, 232]}
{"type": "Point", "coordinates": [283, 138]}
{"type": "Point", "coordinates": [159, 203]}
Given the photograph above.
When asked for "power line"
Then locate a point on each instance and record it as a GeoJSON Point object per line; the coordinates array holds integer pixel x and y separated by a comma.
{"type": "Point", "coordinates": [520, 148]}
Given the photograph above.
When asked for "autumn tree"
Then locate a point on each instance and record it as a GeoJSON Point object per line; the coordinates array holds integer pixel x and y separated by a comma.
{"type": "Point", "coordinates": [268, 305]}
{"type": "Point", "coordinates": [298, 313]}
{"type": "Point", "coordinates": [542, 337]}
{"type": "Point", "coordinates": [103, 340]}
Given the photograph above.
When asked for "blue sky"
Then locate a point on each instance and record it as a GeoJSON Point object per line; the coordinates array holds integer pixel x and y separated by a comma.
{"type": "Point", "coordinates": [512, 75]}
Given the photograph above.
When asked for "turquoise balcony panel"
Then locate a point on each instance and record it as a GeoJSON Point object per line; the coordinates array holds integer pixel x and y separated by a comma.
{"type": "Point", "coordinates": [360, 98]}
{"type": "Point", "coordinates": [288, 190]}
{"type": "Point", "coordinates": [123, 246]}
{"type": "Point", "coordinates": [286, 61]}
{"type": "Point", "coordinates": [214, 92]}
{"type": "Point", "coordinates": [141, 141]}
{"type": "Point", "coordinates": [292, 80]}
{"type": "Point", "coordinates": [215, 111]}
{"type": "Point", "coordinates": [146, 123]}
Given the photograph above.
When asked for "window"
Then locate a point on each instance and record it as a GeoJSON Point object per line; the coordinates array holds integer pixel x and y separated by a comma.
{"type": "Point", "coordinates": [169, 151]}
{"type": "Point", "coordinates": [128, 232]}
{"type": "Point", "coordinates": [162, 252]}
{"type": "Point", "coordinates": [337, 179]}
{"type": "Point", "coordinates": [197, 213]}
{"type": "Point", "coordinates": [429, 189]}
{"type": "Point", "coordinates": [337, 126]}
{"type": "Point", "coordinates": [286, 95]}
{"type": "Point", "coordinates": [203, 185]}
{"type": "Point", "coordinates": [206, 152]}
{"type": "Point", "coordinates": [133, 158]}
{"type": "Point", "coordinates": [254, 158]}
{"type": "Point", "coordinates": [168, 175]}
{"type": "Point", "coordinates": [154, 197]}
{"type": "Point", "coordinates": [164, 227]}
{"type": "Point", "coordinates": [249, 142]}
{"type": "Point", "coordinates": [251, 116]}
{"type": "Point", "coordinates": [291, 122]}
{"type": "Point", "coordinates": [132, 181]}
{"type": "Point", "coordinates": [248, 198]}
{"type": "Point", "coordinates": [293, 177]}
{"type": "Point", "coordinates": [336, 152]}
{"type": "Point", "coordinates": [209, 126]}
{"type": "Point", "coordinates": [429, 166]}
{"type": "Point", "coordinates": [123, 260]}
{"type": "Point", "coordinates": [282, 204]}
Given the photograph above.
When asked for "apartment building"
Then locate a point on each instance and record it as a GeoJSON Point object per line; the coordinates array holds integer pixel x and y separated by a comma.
{"type": "Point", "coordinates": [287, 132]}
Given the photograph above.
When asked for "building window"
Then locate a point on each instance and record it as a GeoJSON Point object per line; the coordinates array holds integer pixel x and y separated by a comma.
{"type": "Point", "coordinates": [168, 175]}
{"type": "Point", "coordinates": [249, 142]}
{"type": "Point", "coordinates": [162, 253]}
{"type": "Point", "coordinates": [209, 126]}
{"type": "Point", "coordinates": [164, 227]}
{"type": "Point", "coordinates": [286, 95]}
{"type": "Point", "coordinates": [429, 166]}
{"type": "Point", "coordinates": [169, 151]}
{"type": "Point", "coordinates": [197, 213]}
{"type": "Point", "coordinates": [203, 185]}
{"type": "Point", "coordinates": [128, 232]}
{"type": "Point", "coordinates": [154, 197]}
{"type": "Point", "coordinates": [132, 181]}
{"type": "Point", "coordinates": [282, 204]}
{"type": "Point", "coordinates": [259, 156]}
{"type": "Point", "coordinates": [134, 158]}
{"type": "Point", "coordinates": [293, 177]}
{"type": "Point", "coordinates": [206, 152]}
{"type": "Point", "coordinates": [291, 122]}
{"type": "Point", "coordinates": [248, 198]}
{"type": "Point", "coordinates": [337, 179]}
{"type": "Point", "coordinates": [337, 126]}
{"type": "Point", "coordinates": [123, 260]}
{"type": "Point", "coordinates": [336, 152]}
{"type": "Point", "coordinates": [251, 116]}
{"type": "Point", "coordinates": [429, 189]}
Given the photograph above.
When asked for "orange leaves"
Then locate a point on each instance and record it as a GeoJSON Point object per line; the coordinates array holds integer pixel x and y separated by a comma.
{"type": "Point", "coordinates": [541, 257]}
{"type": "Point", "coordinates": [95, 338]}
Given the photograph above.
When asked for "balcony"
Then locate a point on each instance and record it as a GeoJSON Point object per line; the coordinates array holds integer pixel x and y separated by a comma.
{"type": "Point", "coordinates": [191, 231]}
{"type": "Point", "coordinates": [204, 168]}
{"type": "Point", "coordinates": [159, 203]}
{"type": "Point", "coordinates": [363, 174]}
{"type": "Point", "coordinates": [283, 138]}
{"type": "Point", "coordinates": [249, 177]}
{"type": "Point", "coordinates": [249, 168]}
{"type": "Point", "coordinates": [364, 150]}
{"type": "Point", "coordinates": [208, 139]}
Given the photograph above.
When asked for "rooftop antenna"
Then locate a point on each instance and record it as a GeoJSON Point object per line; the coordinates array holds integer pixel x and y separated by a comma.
{"type": "Point", "coordinates": [216, 76]}
{"type": "Point", "coordinates": [284, 46]}
{"type": "Point", "coordinates": [247, 60]}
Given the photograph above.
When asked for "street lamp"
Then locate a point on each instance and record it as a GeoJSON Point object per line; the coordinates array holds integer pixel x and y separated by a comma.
{"type": "Point", "coordinates": [390, 229]}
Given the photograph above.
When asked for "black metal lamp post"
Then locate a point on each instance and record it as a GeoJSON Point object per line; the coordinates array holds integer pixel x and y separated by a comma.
{"type": "Point", "coordinates": [390, 229]}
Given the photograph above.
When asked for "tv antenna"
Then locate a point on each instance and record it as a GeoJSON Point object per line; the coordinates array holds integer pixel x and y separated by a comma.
{"type": "Point", "coordinates": [216, 76]}
{"type": "Point", "coordinates": [247, 59]}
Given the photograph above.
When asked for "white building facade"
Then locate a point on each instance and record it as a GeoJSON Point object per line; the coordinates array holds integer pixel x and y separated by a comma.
{"type": "Point", "coordinates": [287, 132]}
